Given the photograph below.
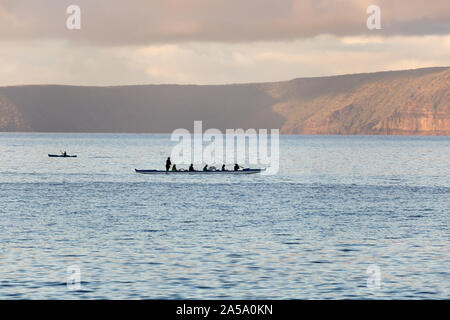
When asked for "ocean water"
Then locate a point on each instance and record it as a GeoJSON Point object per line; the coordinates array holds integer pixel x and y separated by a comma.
{"type": "Point", "coordinates": [347, 217]}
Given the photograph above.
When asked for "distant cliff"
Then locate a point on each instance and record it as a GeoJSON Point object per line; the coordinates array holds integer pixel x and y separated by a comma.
{"type": "Point", "coordinates": [411, 102]}
{"type": "Point", "coordinates": [415, 102]}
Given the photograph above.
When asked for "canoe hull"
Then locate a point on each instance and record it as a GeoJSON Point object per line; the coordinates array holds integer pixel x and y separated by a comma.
{"type": "Point", "coordinates": [246, 171]}
{"type": "Point", "coordinates": [60, 156]}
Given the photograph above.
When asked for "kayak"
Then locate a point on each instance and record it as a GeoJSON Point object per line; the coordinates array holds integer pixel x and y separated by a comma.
{"type": "Point", "coordinates": [61, 156]}
{"type": "Point", "coordinates": [244, 171]}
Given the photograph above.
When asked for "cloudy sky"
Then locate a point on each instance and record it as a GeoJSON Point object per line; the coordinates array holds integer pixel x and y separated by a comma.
{"type": "Point", "coordinates": [215, 41]}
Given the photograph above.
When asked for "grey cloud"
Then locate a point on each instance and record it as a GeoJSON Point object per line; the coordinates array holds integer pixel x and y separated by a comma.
{"type": "Point", "coordinates": [106, 22]}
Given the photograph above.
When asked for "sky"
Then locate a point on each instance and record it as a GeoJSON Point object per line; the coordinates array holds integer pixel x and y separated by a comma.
{"type": "Point", "coordinates": [215, 41]}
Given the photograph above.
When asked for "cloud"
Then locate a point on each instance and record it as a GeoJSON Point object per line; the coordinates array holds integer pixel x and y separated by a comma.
{"type": "Point", "coordinates": [139, 22]}
{"type": "Point", "coordinates": [215, 41]}
{"type": "Point", "coordinates": [56, 61]}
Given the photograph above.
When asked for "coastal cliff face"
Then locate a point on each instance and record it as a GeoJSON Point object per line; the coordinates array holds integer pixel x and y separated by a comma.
{"type": "Point", "coordinates": [10, 117]}
{"type": "Point", "coordinates": [411, 102]}
{"type": "Point", "coordinates": [416, 121]}
{"type": "Point", "coordinates": [388, 104]}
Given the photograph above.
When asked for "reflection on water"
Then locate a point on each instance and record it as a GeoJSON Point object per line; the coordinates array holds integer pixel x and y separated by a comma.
{"type": "Point", "coordinates": [338, 206]}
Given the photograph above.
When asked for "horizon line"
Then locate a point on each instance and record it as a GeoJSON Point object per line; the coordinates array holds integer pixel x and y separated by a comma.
{"type": "Point", "coordinates": [222, 84]}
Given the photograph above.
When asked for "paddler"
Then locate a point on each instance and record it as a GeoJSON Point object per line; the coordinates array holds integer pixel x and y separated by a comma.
{"type": "Point", "coordinates": [223, 167]}
{"type": "Point", "coordinates": [236, 167]}
{"type": "Point", "coordinates": [174, 167]}
{"type": "Point", "coordinates": [168, 164]}
{"type": "Point", "coordinates": [205, 168]}
{"type": "Point", "coordinates": [191, 167]}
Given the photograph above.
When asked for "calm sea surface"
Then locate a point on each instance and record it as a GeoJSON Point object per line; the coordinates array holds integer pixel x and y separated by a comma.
{"type": "Point", "coordinates": [340, 208]}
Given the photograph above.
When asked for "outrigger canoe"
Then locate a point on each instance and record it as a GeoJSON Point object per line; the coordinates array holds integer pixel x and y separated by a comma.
{"type": "Point", "coordinates": [61, 156]}
{"type": "Point", "coordinates": [244, 171]}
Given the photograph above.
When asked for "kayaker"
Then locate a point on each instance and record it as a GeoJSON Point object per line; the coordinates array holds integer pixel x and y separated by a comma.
{"type": "Point", "coordinates": [236, 167]}
{"type": "Point", "coordinates": [191, 167]}
{"type": "Point", "coordinates": [64, 154]}
{"type": "Point", "coordinates": [205, 168]}
{"type": "Point", "coordinates": [168, 164]}
{"type": "Point", "coordinates": [174, 167]}
{"type": "Point", "coordinates": [223, 168]}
